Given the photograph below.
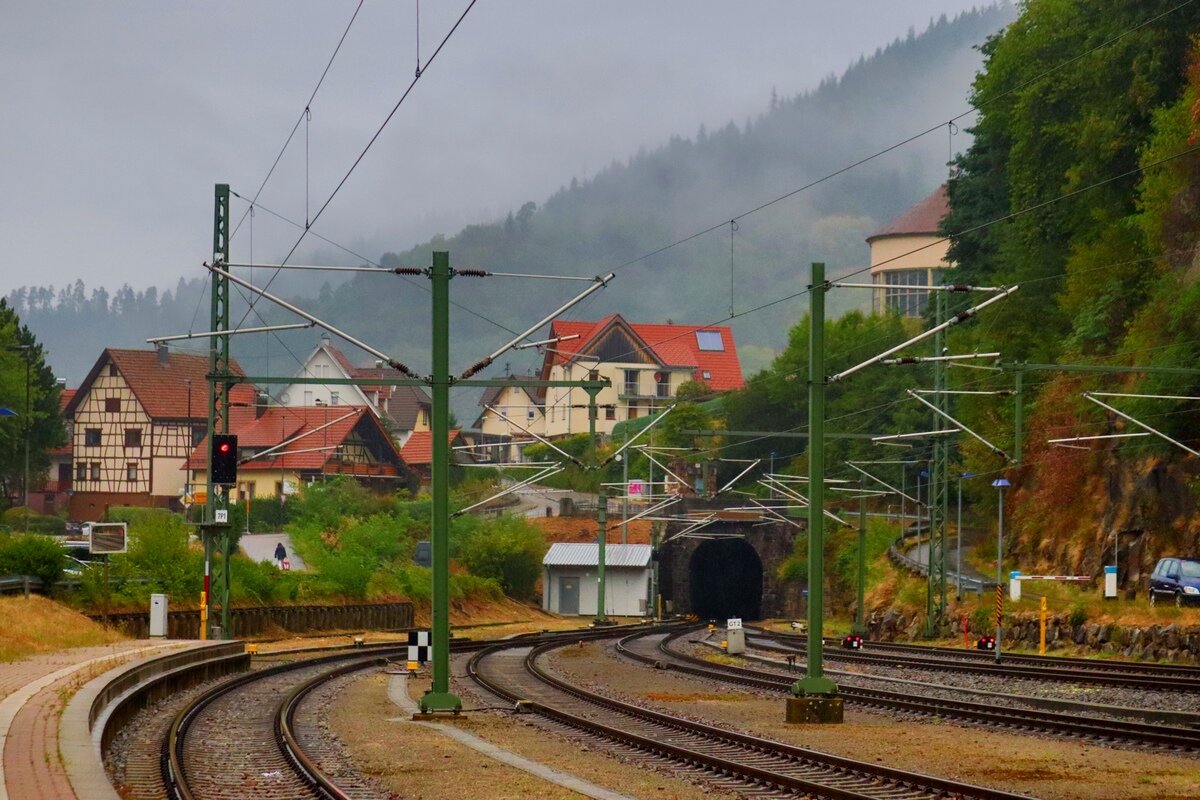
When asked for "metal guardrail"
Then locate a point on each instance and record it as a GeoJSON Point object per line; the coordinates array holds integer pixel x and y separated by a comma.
{"type": "Point", "coordinates": [902, 560]}
{"type": "Point", "coordinates": [20, 584]}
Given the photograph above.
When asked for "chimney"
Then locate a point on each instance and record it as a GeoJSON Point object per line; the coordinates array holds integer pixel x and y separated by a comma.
{"type": "Point", "coordinates": [261, 400]}
{"type": "Point", "coordinates": [325, 339]}
{"type": "Point", "coordinates": [163, 354]}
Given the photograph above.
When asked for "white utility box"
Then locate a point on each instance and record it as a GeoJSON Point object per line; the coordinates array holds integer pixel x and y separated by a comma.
{"type": "Point", "coordinates": [158, 616]}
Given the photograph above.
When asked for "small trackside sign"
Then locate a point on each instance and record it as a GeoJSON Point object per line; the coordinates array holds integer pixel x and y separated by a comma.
{"type": "Point", "coordinates": [107, 537]}
{"type": "Point", "coordinates": [733, 624]}
{"type": "Point", "coordinates": [221, 515]}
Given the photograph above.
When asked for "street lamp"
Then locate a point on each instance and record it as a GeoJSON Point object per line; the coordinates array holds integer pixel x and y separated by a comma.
{"type": "Point", "coordinates": [1001, 484]}
{"type": "Point", "coordinates": [958, 534]}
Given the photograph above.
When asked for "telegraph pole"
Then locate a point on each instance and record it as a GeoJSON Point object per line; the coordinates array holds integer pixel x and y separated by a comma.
{"type": "Point", "coordinates": [439, 697]}
{"type": "Point", "coordinates": [218, 409]}
{"type": "Point", "coordinates": [937, 488]}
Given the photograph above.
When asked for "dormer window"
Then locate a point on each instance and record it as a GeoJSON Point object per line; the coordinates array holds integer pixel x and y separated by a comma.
{"type": "Point", "coordinates": [710, 341]}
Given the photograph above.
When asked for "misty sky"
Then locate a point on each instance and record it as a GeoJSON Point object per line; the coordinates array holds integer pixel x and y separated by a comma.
{"type": "Point", "coordinates": [120, 116]}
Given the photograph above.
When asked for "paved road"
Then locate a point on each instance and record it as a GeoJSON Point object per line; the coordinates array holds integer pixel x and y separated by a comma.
{"type": "Point", "coordinates": [535, 500]}
{"type": "Point", "coordinates": [261, 547]}
{"type": "Point", "coordinates": [971, 576]}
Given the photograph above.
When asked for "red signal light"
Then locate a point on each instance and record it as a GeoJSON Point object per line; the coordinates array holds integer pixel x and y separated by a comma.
{"type": "Point", "coordinates": [224, 448]}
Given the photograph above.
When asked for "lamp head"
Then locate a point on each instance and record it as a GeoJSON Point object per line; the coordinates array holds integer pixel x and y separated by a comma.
{"type": "Point", "coordinates": [1001, 483]}
{"type": "Point", "coordinates": [967, 475]}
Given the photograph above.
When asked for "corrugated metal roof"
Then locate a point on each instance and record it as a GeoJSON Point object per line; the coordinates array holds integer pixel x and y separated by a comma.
{"type": "Point", "coordinates": [564, 554]}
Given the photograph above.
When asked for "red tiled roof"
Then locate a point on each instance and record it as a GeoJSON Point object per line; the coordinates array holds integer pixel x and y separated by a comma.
{"type": "Point", "coordinates": [418, 449]}
{"type": "Point", "coordinates": [163, 389]}
{"type": "Point", "coordinates": [925, 217]}
{"type": "Point", "coordinates": [281, 423]}
{"type": "Point", "coordinates": [673, 345]}
{"type": "Point", "coordinates": [64, 399]}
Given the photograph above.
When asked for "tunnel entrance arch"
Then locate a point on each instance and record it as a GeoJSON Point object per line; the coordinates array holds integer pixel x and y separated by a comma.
{"type": "Point", "coordinates": [726, 579]}
{"type": "Point", "coordinates": [684, 582]}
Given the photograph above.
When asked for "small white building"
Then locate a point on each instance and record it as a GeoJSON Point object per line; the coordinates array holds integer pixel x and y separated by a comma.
{"type": "Point", "coordinates": [570, 583]}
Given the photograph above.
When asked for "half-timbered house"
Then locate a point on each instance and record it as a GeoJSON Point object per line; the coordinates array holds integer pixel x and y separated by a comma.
{"type": "Point", "coordinates": [282, 448]}
{"type": "Point", "coordinates": [133, 421]}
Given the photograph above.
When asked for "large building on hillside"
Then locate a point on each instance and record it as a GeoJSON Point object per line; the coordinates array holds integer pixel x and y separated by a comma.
{"type": "Point", "coordinates": [908, 253]}
{"type": "Point", "coordinates": [133, 421]}
{"type": "Point", "coordinates": [646, 363]}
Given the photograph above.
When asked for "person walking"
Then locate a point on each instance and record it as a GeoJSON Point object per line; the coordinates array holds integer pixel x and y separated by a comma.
{"type": "Point", "coordinates": [280, 555]}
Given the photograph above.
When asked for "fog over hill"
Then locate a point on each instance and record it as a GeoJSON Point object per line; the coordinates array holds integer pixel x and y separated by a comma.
{"type": "Point", "coordinates": [629, 209]}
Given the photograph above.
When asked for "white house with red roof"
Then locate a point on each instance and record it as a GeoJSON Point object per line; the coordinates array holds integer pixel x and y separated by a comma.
{"type": "Point", "coordinates": [133, 421]}
{"type": "Point", "coordinates": [646, 363]}
{"type": "Point", "coordinates": [402, 409]}
{"type": "Point", "coordinates": [910, 252]}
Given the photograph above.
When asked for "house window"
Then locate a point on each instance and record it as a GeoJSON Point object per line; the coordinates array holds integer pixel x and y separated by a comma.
{"type": "Point", "coordinates": [529, 414]}
{"type": "Point", "coordinates": [631, 382]}
{"type": "Point", "coordinates": [198, 435]}
{"type": "Point", "coordinates": [133, 437]}
{"type": "Point", "coordinates": [95, 470]}
{"type": "Point", "coordinates": [112, 370]}
{"type": "Point", "coordinates": [610, 412]}
{"type": "Point", "coordinates": [91, 437]}
{"type": "Point", "coordinates": [908, 302]}
{"type": "Point", "coordinates": [333, 398]}
{"type": "Point", "coordinates": [81, 471]}
{"type": "Point", "coordinates": [633, 411]}
{"type": "Point", "coordinates": [131, 471]}
{"type": "Point", "coordinates": [112, 405]}
{"type": "Point", "coordinates": [308, 398]}
{"type": "Point", "coordinates": [710, 341]}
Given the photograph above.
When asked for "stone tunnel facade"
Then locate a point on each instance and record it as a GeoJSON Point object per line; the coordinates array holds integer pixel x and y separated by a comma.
{"type": "Point", "coordinates": [772, 543]}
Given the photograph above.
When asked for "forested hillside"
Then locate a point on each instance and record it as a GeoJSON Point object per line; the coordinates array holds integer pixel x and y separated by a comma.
{"type": "Point", "coordinates": [1096, 158]}
{"type": "Point", "coordinates": [632, 207]}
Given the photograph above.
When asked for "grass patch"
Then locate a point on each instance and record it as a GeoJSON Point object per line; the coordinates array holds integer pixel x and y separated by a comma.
{"type": "Point", "coordinates": [37, 625]}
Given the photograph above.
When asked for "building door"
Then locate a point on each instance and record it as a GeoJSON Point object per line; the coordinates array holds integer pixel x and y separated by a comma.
{"type": "Point", "coordinates": [568, 595]}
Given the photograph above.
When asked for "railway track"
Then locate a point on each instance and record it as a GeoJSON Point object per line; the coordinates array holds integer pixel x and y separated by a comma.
{"type": "Point", "coordinates": [251, 736]}
{"type": "Point", "coordinates": [756, 765]}
{"type": "Point", "coordinates": [656, 649]}
{"type": "Point", "coordinates": [1081, 671]}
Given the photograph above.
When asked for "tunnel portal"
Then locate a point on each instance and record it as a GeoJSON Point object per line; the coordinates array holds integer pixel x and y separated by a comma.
{"type": "Point", "coordinates": [726, 578]}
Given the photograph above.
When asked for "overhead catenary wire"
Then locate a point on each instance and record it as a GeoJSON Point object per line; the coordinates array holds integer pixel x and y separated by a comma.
{"type": "Point", "coordinates": [370, 143]}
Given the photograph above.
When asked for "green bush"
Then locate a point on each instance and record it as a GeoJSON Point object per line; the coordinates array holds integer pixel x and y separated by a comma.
{"type": "Point", "coordinates": [32, 554]}
{"type": "Point", "coordinates": [509, 550]}
{"type": "Point", "coordinates": [1078, 614]}
{"type": "Point", "coordinates": [22, 519]}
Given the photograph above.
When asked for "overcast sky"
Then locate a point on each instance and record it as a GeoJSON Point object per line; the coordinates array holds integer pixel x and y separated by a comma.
{"type": "Point", "coordinates": [119, 117]}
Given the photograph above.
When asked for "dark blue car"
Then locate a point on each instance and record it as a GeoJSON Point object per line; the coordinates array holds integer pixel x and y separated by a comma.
{"type": "Point", "coordinates": [1177, 580]}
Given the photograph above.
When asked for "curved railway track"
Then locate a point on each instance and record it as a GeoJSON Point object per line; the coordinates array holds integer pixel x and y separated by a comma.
{"type": "Point", "coordinates": [1134, 676]}
{"type": "Point", "coordinates": [511, 671]}
{"type": "Point", "coordinates": [659, 652]}
{"type": "Point", "coordinates": [251, 737]}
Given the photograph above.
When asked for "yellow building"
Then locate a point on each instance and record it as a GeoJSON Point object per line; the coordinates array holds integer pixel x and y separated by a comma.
{"type": "Point", "coordinates": [510, 417]}
{"type": "Point", "coordinates": [908, 254]}
{"type": "Point", "coordinates": [646, 363]}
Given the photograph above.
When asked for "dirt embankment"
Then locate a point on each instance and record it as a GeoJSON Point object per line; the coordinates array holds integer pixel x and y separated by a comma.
{"type": "Point", "coordinates": [583, 529]}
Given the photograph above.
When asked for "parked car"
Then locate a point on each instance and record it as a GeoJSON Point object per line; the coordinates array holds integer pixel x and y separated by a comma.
{"type": "Point", "coordinates": [1176, 579]}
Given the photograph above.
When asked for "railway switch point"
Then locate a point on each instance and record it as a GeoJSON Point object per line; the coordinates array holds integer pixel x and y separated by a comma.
{"type": "Point", "coordinates": [815, 709]}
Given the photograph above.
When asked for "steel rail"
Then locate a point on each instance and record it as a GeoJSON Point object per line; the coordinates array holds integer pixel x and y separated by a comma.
{"type": "Point", "coordinates": [888, 780]}
{"type": "Point", "coordinates": [1074, 724]}
{"type": "Point", "coordinates": [173, 768]}
{"type": "Point", "coordinates": [957, 661]}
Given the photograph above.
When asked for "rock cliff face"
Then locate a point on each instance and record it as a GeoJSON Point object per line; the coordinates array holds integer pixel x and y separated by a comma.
{"type": "Point", "coordinates": [1067, 515]}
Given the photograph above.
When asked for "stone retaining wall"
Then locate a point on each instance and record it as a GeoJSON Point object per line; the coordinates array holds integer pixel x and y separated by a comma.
{"type": "Point", "coordinates": [1171, 642]}
{"type": "Point", "coordinates": [296, 619]}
